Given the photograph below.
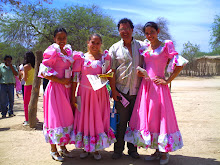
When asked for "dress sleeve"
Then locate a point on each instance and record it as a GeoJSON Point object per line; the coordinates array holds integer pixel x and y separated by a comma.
{"type": "Point", "coordinates": [78, 61]}
{"type": "Point", "coordinates": [171, 52]}
{"type": "Point", "coordinates": [107, 59]}
{"type": "Point", "coordinates": [176, 60]}
{"type": "Point", "coordinates": [49, 58]}
{"type": "Point", "coordinates": [113, 57]}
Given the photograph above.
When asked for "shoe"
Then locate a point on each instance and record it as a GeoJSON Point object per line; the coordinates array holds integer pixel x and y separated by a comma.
{"type": "Point", "coordinates": [134, 155]}
{"type": "Point", "coordinates": [116, 156]}
{"type": "Point", "coordinates": [11, 115]}
{"type": "Point", "coordinates": [65, 153]}
{"type": "Point", "coordinates": [55, 157]}
{"type": "Point", "coordinates": [165, 161]}
{"type": "Point", "coordinates": [97, 156]}
{"type": "Point", "coordinates": [84, 154]}
{"type": "Point", "coordinates": [155, 156]}
{"type": "Point", "coordinates": [3, 116]}
{"type": "Point", "coordinates": [26, 123]}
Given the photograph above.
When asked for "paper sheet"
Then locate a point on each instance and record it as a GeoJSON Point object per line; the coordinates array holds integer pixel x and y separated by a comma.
{"type": "Point", "coordinates": [97, 82]}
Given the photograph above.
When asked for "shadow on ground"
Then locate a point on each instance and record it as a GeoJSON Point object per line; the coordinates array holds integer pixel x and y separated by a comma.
{"type": "Point", "coordinates": [127, 160]}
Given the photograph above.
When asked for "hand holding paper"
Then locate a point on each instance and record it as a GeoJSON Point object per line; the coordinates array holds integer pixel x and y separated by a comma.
{"type": "Point", "coordinates": [143, 71]}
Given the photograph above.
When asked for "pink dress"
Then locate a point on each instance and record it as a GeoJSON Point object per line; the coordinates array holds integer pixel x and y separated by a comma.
{"type": "Point", "coordinates": [18, 85]}
{"type": "Point", "coordinates": [92, 122]}
{"type": "Point", "coordinates": [153, 122]}
{"type": "Point", "coordinates": [58, 114]}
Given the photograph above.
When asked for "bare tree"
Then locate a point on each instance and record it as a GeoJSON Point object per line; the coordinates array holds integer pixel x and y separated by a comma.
{"type": "Point", "coordinates": [164, 30]}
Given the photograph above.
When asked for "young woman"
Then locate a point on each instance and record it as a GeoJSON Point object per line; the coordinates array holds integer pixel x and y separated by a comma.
{"type": "Point", "coordinates": [153, 123]}
{"type": "Point", "coordinates": [92, 121]}
{"type": "Point", "coordinates": [28, 77]}
{"type": "Point", "coordinates": [58, 115]}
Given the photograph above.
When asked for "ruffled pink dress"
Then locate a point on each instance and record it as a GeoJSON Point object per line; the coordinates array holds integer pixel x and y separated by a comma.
{"type": "Point", "coordinates": [58, 114]}
{"type": "Point", "coordinates": [92, 122]}
{"type": "Point", "coordinates": [153, 122]}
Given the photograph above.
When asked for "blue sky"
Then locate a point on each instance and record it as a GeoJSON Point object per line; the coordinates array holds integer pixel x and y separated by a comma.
{"type": "Point", "coordinates": [189, 20]}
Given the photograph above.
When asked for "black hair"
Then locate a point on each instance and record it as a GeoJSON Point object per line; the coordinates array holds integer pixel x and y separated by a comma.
{"type": "Point", "coordinates": [7, 56]}
{"type": "Point", "coordinates": [59, 30]}
{"type": "Point", "coordinates": [151, 24]}
{"type": "Point", "coordinates": [95, 34]}
{"type": "Point", "coordinates": [29, 58]}
{"type": "Point", "coordinates": [126, 20]}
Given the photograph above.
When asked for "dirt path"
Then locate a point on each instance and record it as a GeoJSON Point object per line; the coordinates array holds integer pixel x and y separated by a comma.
{"type": "Point", "coordinates": [197, 106]}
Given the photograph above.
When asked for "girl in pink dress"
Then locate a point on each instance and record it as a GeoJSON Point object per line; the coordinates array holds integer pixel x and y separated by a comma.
{"type": "Point", "coordinates": [153, 122]}
{"type": "Point", "coordinates": [58, 114]}
{"type": "Point", "coordinates": [18, 86]}
{"type": "Point", "coordinates": [92, 120]}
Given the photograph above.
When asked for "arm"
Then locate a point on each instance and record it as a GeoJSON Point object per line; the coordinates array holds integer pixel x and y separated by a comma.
{"type": "Point", "coordinates": [13, 70]}
{"type": "Point", "coordinates": [64, 81]}
{"type": "Point", "coordinates": [73, 95]}
{"type": "Point", "coordinates": [115, 93]}
{"type": "Point", "coordinates": [20, 74]}
{"type": "Point", "coordinates": [26, 69]}
{"type": "Point", "coordinates": [175, 73]}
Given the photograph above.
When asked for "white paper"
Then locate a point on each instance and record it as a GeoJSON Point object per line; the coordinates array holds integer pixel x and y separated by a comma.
{"type": "Point", "coordinates": [124, 101]}
{"type": "Point", "coordinates": [142, 71]}
{"type": "Point", "coordinates": [97, 82]}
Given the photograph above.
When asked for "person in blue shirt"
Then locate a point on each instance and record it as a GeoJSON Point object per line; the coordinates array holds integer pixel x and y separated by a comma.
{"type": "Point", "coordinates": [7, 82]}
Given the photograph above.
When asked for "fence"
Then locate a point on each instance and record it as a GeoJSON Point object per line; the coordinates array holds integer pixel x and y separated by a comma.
{"type": "Point", "coordinates": [203, 66]}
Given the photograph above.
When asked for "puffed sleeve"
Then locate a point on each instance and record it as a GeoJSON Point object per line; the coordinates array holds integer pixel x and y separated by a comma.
{"type": "Point", "coordinates": [49, 58]}
{"type": "Point", "coordinates": [77, 65]}
{"type": "Point", "coordinates": [107, 59]}
{"type": "Point", "coordinates": [78, 61]}
{"type": "Point", "coordinates": [176, 60]}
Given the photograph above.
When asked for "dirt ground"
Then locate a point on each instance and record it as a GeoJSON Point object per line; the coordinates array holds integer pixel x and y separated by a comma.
{"type": "Point", "coordinates": [197, 105]}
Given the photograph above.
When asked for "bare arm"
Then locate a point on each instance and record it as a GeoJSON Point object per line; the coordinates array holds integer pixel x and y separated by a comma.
{"type": "Point", "coordinates": [175, 73]}
{"type": "Point", "coordinates": [13, 70]}
{"type": "Point", "coordinates": [27, 67]}
{"type": "Point", "coordinates": [112, 81]}
{"type": "Point", "coordinates": [73, 95]}
{"type": "Point", "coordinates": [64, 81]}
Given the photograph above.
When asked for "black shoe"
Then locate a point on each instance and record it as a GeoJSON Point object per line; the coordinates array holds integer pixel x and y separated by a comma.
{"type": "Point", "coordinates": [11, 115]}
{"type": "Point", "coordinates": [3, 116]}
{"type": "Point", "coordinates": [134, 155]}
{"type": "Point", "coordinates": [116, 156]}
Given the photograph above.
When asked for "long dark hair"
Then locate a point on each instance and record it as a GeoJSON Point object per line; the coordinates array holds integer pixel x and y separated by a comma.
{"type": "Point", "coordinates": [60, 29]}
{"type": "Point", "coordinates": [29, 58]}
{"type": "Point", "coordinates": [151, 24]}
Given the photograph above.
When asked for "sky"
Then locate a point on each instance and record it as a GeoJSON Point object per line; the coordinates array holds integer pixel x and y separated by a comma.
{"type": "Point", "coordinates": [189, 20]}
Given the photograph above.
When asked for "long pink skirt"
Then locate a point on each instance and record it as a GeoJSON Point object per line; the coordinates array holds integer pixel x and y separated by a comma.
{"type": "Point", "coordinates": [58, 115]}
{"type": "Point", "coordinates": [153, 122]}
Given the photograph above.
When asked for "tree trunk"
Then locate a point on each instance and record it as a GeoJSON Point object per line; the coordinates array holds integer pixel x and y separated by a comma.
{"type": "Point", "coordinates": [32, 107]}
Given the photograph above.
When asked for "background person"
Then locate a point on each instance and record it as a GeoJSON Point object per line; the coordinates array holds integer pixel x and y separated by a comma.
{"type": "Point", "coordinates": [28, 77]}
{"type": "Point", "coordinates": [7, 81]}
